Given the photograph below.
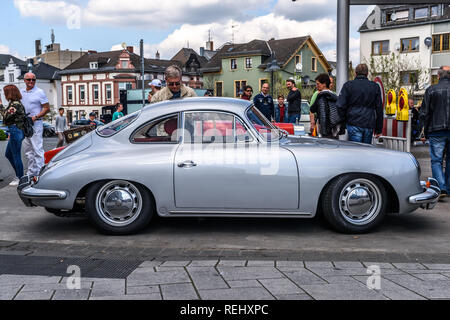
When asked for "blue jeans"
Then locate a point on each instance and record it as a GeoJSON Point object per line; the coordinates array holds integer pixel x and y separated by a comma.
{"type": "Point", "coordinates": [358, 134]}
{"type": "Point", "coordinates": [440, 148]}
{"type": "Point", "coordinates": [293, 118]}
{"type": "Point", "coordinates": [13, 150]}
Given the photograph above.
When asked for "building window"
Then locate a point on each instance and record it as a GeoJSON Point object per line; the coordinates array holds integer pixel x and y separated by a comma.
{"type": "Point", "coordinates": [69, 94]}
{"type": "Point", "coordinates": [218, 89]}
{"type": "Point", "coordinates": [408, 77]}
{"type": "Point", "coordinates": [11, 77]}
{"type": "Point", "coordinates": [261, 82]}
{"type": "Point", "coordinates": [238, 87]}
{"type": "Point", "coordinates": [248, 63]}
{"type": "Point", "coordinates": [82, 94]}
{"type": "Point", "coordinates": [380, 47]}
{"type": "Point", "coordinates": [233, 64]}
{"type": "Point", "coordinates": [108, 92]}
{"type": "Point", "coordinates": [95, 89]}
{"type": "Point", "coordinates": [124, 64]}
{"type": "Point", "coordinates": [314, 64]}
{"type": "Point", "coordinates": [93, 65]}
{"type": "Point", "coordinates": [410, 45]}
{"type": "Point", "coordinates": [125, 85]}
{"type": "Point", "coordinates": [434, 79]}
{"type": "Point", "coordinates": [298, 59]}
{"type": "Point", "coordinates": [420, 13]}
{"type": "Point", "coordinates": [434, 11]}
{"type": "Point", "coordinates": [441, 42]}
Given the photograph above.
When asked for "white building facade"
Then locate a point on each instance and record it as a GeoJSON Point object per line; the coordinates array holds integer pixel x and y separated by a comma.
{"type": "Point", "coordinates": [417, 34]}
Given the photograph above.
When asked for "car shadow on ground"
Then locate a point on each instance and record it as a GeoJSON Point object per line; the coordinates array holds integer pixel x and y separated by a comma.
{"type": "Point", "coordinates": [393, 224]}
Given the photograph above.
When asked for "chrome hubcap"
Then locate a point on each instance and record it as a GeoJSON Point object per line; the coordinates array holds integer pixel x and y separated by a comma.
{"type": "Point", "coordinates": [119, 203]}
{"type": "Point", "coordinates": [360, 201]}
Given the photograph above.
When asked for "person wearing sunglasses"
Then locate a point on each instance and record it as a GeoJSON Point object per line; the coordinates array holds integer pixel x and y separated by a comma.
{"type": "Point", "coordinates": [36, 106]}
{"type": "Point", "coordinates": [175, 89]}
{"type": "Point", "coordinates": [247, 93]}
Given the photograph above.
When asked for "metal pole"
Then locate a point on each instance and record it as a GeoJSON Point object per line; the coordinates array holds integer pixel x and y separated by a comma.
{"type": "Point", "coordinates": [142, 72]}
{"type": "Point", "coordinates": [343, 13]}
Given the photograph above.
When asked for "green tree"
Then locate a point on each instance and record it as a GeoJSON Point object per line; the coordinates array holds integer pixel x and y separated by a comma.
{"type": "Point", "coordinates": [395, 68]}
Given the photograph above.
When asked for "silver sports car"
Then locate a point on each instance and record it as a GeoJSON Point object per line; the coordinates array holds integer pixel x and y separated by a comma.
{"type": "Point", "coordinates": [219, 157]}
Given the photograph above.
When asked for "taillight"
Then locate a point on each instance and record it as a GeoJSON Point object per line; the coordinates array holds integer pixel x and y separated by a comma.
{"type": "Point", "coordinates": [51, 153]}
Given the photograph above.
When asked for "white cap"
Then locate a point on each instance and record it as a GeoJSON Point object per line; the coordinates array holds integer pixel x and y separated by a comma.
{"type": "Point", "coordinates": [156, 83]}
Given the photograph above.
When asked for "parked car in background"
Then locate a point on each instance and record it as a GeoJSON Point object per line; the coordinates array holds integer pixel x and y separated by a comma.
{"type": "Point", "coordinates": [220, 157]}
{"type": "Point", "coordinates": [4, 128]}
{"type": "Point", "coordinates": [85, 122]}
{"type": "Point", "coordinates": [304, 123]}
{"type": "Point", "coordinates": [49, 130]}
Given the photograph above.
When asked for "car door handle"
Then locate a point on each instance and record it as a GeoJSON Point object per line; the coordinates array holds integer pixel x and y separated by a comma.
{"type": "Point", "coordinates": [187, 164]}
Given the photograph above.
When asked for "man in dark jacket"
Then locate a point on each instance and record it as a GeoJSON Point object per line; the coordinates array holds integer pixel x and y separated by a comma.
{"type": "Point", "coordinates": [294, 100]}
{"type": "Point", "coordinates": [264, 102]}
{"type": "Point", "coordinates": [435, 117]}
{"type": "Point", "coordinates": [360, 104]}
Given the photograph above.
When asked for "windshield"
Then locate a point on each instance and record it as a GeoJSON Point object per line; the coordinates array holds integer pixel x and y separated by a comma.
{"type": "Point", "coordinates": [262, 125]}
{"type": "Point", "coordinates": [118, 125]}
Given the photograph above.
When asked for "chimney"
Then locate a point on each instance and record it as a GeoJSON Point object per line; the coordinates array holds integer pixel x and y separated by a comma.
{"type": "Point", "coordinates": [157, 55]}
{"type": "Point", "coordinates": [210, 45]}
{"type": "Point", "coordinates": [38, 48]}
{"type": "Point", "coordinates": [202, 51]}
{"type": "Point", "coordinates": [130, 49]}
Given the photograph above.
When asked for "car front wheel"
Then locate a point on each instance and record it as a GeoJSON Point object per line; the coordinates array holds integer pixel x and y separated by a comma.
{"type": "Point", "coordinates": [119, 207]}
{"type": "Point", "coordinates": [354, 203]}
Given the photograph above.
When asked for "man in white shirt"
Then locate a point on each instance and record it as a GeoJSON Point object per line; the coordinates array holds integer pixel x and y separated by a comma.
{"type": "Point", "coordinates": [36, 106]}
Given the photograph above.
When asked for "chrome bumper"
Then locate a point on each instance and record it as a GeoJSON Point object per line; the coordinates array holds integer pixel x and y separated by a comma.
{"type": "Point", "coordinates": [27, 193]}
{"type": "Point", "coordinates": [429, 197]}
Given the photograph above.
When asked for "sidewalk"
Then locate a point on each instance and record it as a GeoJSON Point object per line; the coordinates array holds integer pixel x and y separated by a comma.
{"type": "Point", "coordinates": [48, 278]}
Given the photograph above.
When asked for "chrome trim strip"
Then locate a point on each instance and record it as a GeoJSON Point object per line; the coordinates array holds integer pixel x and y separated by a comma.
{"type": "Point", "coordinates": [43, 194]}
{"type": "Point", "coordinates": [241, 213]}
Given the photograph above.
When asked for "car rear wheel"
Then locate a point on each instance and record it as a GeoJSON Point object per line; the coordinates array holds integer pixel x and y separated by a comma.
{"type": "Point", "coordinates": [354, 203]}
{"type": "Point", "coordinates": [119, 207]}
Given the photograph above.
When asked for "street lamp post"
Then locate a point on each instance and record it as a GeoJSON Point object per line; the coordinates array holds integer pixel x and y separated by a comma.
{"type": "Point", "coordinates": [271, 67]}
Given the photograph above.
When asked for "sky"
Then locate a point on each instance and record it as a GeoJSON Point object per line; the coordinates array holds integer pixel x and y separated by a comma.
{"type": "Point", "coordinates": [167, 26]}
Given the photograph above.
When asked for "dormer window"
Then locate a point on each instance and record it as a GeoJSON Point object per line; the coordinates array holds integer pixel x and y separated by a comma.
{"type": "Point", "coordinates": [397, 16]}
{"type": "Point", "coordinates": [93, 65]}
{"type": "Point", "coordinates": [124, 64]}
{"type": "Point", "coordinates": [420, 13]}
{"type": "Point", "coordinates": [434, 11]}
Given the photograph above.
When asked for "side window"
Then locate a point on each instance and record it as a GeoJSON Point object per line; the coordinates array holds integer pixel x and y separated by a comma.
{"type": "Point", "coordinates": [242, 134]}
{"type": "Point", "coordinates": [214, 127]}
{"type": "Point", "coordinates": [161, 130]}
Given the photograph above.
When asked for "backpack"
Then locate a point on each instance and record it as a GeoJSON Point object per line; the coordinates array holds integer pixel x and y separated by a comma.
{"type": "Point", "coordinates": [28, 130]}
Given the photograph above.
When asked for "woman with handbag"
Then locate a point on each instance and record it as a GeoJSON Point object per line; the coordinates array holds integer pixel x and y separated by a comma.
{"type": "Point", "coordinates": [14, 117]}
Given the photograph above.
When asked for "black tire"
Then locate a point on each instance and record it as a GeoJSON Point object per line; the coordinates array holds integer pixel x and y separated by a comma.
{"type": "Point", "coordinates": [124, 222]}
{"type": "Point", "coordinates": [354, 203]}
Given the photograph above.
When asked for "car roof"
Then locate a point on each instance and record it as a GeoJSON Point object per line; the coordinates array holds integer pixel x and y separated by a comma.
{"type": "Point", "coordinates": [211, 103]}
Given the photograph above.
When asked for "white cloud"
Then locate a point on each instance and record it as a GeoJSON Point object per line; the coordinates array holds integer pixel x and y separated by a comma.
{"type": "Point", "coordinates": [263, 28]}
{"type": "Point", "coordinates": [4, 49]}
{"type": "Point", "coordinates": [140, 13]}
{"type": "Point", "coordinates": [305, 10]}
{"type": "Point", "coordinates": [58, 12]}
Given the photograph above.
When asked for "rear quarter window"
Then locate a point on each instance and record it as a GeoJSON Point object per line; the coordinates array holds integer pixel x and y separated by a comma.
{"type": "Point", "coordinates": [118, 125]}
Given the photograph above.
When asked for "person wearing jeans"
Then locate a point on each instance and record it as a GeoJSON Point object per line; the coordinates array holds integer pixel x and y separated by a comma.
{"type": "Point", "coordinates": [358, 134]}
{"type": "Point", "coordinates": [13, 152]}
{"type": "Point", "coordinates": [440, 149]}
{"type": "Point", "coordinates": [14, 117]}
{"type": "Point", "coordinates": [434, 115]}
{"type": "Point", "coordinates": [360, 105]}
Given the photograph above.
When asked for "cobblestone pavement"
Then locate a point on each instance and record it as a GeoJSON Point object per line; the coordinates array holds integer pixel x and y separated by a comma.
{"type": "Point", "coordinates": [48, 278]}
